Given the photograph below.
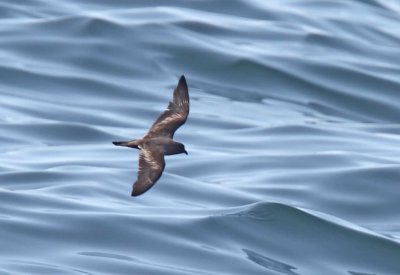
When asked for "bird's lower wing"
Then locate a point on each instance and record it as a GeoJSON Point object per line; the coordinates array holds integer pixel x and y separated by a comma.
{"type": "Point", "coordinates": [151, 166]}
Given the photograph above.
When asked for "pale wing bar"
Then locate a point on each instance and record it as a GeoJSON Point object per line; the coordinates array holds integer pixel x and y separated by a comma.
{"type": "Point", "coordinates": [151, 166]}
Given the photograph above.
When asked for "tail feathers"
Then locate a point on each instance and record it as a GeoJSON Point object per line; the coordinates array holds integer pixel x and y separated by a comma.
{"type": "Point", "coordinates": [131, 143]}
{"type": "Point", "coordinates": [121, 143]}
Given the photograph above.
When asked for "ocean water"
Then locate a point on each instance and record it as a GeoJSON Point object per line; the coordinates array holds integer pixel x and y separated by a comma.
{"type": "Point", "coordinates": [293, 137]}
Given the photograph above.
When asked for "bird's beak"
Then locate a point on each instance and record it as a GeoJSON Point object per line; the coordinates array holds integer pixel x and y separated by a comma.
{"type": "Point", "coordinates": [186, 152]}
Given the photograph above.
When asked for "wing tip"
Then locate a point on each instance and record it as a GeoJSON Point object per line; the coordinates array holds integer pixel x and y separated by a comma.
{"type": "Point", "coordinates": [136, 192]}
{"type": "Point", "coordinates": [139, 188]}
{"type": "Point", "coordinates": [182, 82]}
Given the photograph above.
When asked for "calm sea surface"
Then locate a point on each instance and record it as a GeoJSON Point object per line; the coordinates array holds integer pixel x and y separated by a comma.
{"type": "Point", "coordinates": [293, 137]}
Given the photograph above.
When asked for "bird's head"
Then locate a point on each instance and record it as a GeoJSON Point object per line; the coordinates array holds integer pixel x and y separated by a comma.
{"type": "Point", "coordinates": [182, 149]}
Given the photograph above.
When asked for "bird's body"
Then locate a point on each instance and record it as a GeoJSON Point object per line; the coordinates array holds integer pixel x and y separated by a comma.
{"type": "Point", "coordinates": [159, 140]}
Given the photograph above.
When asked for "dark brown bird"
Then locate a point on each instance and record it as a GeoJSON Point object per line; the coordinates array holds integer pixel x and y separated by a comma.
{"type": "Point", "coordinates": [159, 140]}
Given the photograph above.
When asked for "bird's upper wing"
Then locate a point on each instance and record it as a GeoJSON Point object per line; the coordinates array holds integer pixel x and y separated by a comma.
{"type": "Point", "coordinates": [175, 115]}
{"type": "Point", "coordinates": [151, 166]}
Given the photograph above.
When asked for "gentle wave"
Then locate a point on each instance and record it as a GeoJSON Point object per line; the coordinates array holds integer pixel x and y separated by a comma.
{"type": "Point", "coordinates": [292, 137]}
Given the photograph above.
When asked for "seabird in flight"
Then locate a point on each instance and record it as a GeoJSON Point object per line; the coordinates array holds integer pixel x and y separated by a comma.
{"type": "Point", "coordinates": [159, 140]}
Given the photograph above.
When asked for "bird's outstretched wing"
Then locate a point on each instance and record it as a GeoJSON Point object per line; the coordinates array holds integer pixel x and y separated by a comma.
{"type": "Point", "coordinates": [151, 166]}
{"type": "Point", "coordinates": [175, 115]}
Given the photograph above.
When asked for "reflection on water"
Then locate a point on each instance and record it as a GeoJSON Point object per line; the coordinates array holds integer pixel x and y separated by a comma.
{"type": "Point", "coordinates": [269, 263]}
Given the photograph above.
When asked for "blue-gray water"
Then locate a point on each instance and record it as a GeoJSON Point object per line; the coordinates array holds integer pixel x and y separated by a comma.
{"type": "Point", "coordinates": [293, 137]}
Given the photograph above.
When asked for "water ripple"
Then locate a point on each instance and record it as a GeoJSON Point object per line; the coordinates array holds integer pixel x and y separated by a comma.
{"type": "Point", "coordinates": [292, 137]}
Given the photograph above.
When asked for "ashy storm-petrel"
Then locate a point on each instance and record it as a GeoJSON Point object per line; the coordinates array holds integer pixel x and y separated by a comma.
{"type": "Point", "coordinates": [159, 140]}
